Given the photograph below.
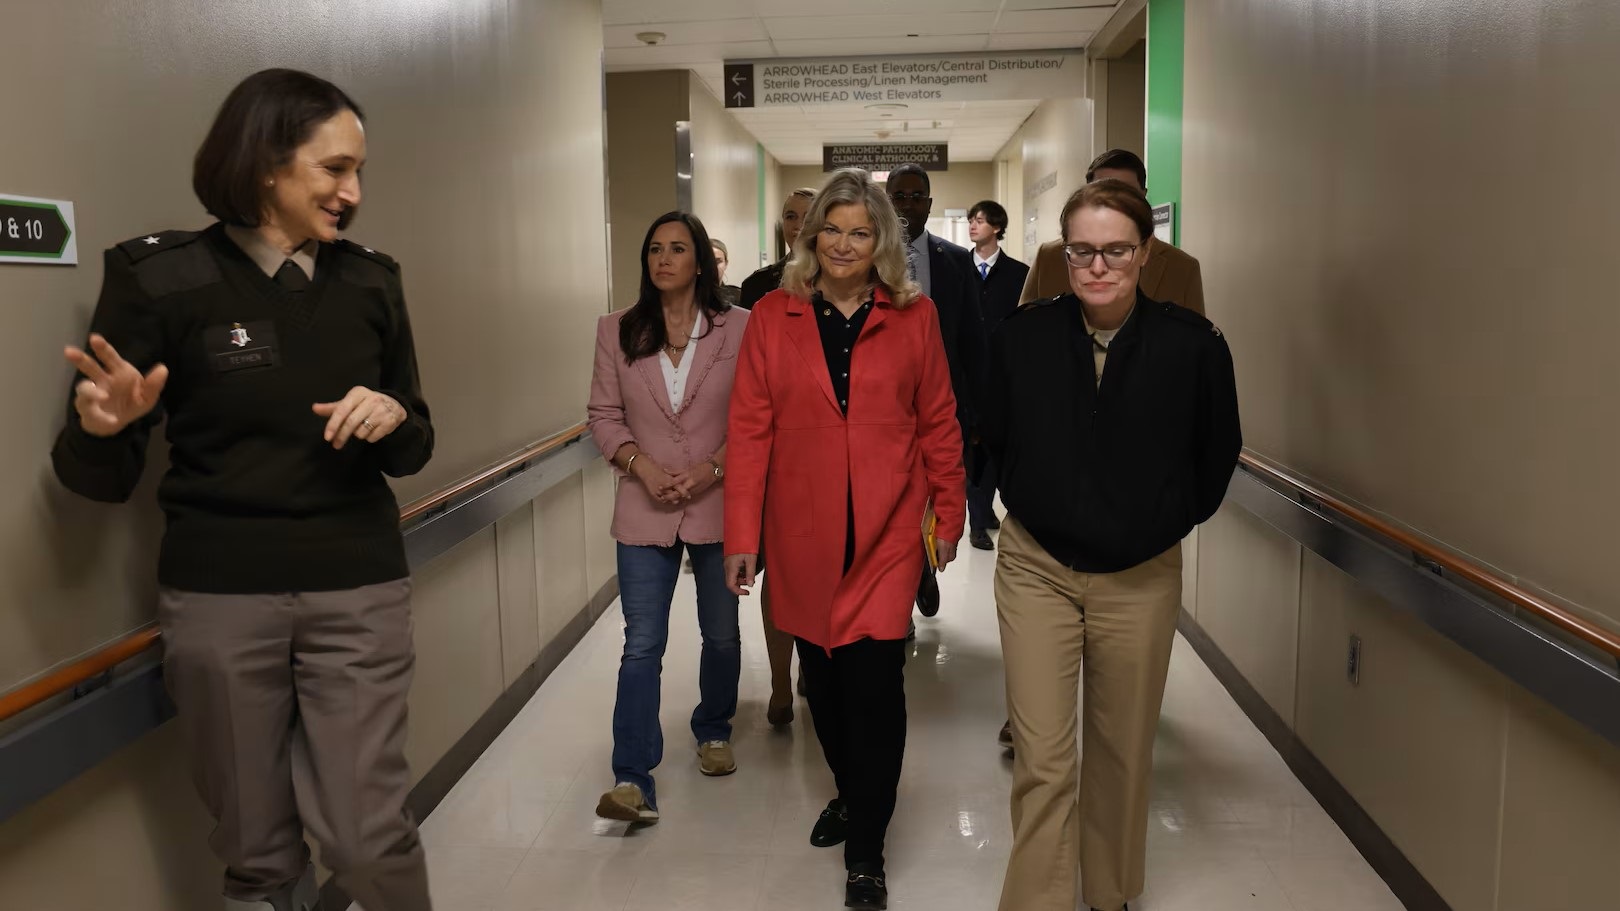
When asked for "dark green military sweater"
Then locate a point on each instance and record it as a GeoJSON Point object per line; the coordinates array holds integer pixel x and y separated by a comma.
{"type": "Point", "coordinates": [256, 500]}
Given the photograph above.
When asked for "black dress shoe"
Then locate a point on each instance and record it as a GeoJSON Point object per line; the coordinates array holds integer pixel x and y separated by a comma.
{"type": "Point", "coordinates": [833, 826]}
{"type": "Point", "coordinates": [1004, 739]}
{"type": "Point", "coordinates": [866, 888]}
{"type": "Point", "coordinates": [993, 525]}
{"type": "Point", "coordinates": [981, 540]}
{"type": "Point", "coordinates": [928, 595]}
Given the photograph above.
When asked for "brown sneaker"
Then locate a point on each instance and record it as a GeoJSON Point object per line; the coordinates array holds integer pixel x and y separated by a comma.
{"type": "Point", "coordinates": [714, 758]}
{"type": "Point", "coordinates": [627, 804]}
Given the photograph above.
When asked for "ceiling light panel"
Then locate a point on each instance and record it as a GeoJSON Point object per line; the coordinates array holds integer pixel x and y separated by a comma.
{"type": "Point", "coordinates": [724, 31]}
{"type": "Point", "coordinates": [804, 28]}
{"type": "Point", "coordinates": [633, 12]}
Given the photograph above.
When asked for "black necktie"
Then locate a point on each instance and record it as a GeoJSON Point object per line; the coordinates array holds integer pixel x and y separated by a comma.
{"type": "Point", "coordinates": [291, 277]}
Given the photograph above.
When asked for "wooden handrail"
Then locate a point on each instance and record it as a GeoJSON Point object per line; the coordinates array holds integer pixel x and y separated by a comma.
{"type": "Point", "coordinates": [91, 666]}
{"type": "Point", "coordinates": [1606, 640]}
{"type": "Point", "coordinates": [88, 668]}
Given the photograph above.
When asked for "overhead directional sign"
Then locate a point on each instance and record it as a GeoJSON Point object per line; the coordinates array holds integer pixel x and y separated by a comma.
{"type": "Point", "coordinates": [739, 80]}
{"type": "Point", "coordinates": [37, 231]}
{"type": "Point", "coordinates": [1009, 76]}
{"type": "Point", "coordinates": [886, 156]}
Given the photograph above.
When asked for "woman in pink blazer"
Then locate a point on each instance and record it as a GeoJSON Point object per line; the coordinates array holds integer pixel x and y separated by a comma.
{"type": "Point", "coordinates": [659, 396]}
{"type": "Point", "coordinates": [844, 427]}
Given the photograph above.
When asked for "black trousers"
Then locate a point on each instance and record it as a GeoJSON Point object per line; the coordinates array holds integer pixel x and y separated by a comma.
{"type": "Point", "coordinates": [857, 699]}
{"type": "Point", "coordinates": [981, 498]}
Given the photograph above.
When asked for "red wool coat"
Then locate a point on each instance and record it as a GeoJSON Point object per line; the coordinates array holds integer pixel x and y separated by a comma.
{"type": "Point", "coordinates": [792, 458]}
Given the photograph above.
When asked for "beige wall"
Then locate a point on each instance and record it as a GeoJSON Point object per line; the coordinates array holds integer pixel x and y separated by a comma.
{"type": "Point", "coordinates": [776, 192]}
{"type": "Point", "coordinates": [474, 151]}
{"type": "Point", "coordinates": [1053, 146]}
{"type": "Point", "coordinates": [1380, 350]}
{"type": "Point", "coordinates": [725, 179]}
{"type": "Point", "coordinates": [1127, 101]}
{"type": "Point", "coordinates": [642, 110]}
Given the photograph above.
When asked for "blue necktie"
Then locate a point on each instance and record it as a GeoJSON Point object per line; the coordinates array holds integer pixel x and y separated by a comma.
{"type": "Point", "coordinates": [984, 271]}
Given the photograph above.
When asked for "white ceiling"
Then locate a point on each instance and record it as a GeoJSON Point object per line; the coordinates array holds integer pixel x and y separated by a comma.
{"type": "Point", "coordinates": [701, 34]}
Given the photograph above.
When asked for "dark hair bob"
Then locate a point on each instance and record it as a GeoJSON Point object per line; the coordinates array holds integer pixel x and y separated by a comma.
{"type": "Point", "coordinates": [259, 126]}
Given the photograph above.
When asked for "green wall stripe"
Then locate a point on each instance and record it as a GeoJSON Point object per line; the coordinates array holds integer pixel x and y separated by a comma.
{"type": "Point", "coordinates": [1166, 43]}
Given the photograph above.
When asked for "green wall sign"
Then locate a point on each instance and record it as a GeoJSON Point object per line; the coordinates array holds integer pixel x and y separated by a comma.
{"type": "Point", "coordinates": [37, 231]}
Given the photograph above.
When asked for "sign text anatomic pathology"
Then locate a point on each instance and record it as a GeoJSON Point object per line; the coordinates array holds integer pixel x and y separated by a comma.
{"type": "Point", "coordinates": [877, 80]}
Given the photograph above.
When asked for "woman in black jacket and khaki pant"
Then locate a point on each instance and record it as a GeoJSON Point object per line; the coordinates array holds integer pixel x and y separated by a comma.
{"type": "Point", "coordinates": [1113, 419]}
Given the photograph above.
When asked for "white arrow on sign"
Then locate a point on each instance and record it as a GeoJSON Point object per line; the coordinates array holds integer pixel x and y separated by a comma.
{"type": "Point", "coordinates": [740, 97]}
{"type": "Point", "coordinates": [736, 79]}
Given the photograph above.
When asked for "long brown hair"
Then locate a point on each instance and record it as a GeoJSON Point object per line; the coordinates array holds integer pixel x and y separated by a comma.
{"type": "Point", "coordinates": [641, 331]}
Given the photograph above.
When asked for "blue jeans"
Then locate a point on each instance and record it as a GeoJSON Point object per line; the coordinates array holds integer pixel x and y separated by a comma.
{"type": "Point", "coordinates": [647, 578]}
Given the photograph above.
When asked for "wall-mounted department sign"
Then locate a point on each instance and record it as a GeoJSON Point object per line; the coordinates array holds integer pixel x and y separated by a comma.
{"type": "Point", "coordinates": [37, 231]}
{"type": "Point", "coordinates": [1164, 222]}
{"type": "Point", "coordinates": [886, 156]}
{"type": "Point", "coordinates": [1010, 76]}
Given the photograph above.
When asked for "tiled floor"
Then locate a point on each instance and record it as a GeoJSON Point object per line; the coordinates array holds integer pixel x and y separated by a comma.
{"type": "Point", "coordinates": [1230, 827]}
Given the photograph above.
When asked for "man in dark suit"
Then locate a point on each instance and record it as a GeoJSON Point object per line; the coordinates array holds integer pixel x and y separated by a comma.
{"type": "Point", "coordinates": [946, 274]}
{"type": "Point", "coordinates": [1001, 279]}
{"type": "Point", "coordinates": [1170, 276]}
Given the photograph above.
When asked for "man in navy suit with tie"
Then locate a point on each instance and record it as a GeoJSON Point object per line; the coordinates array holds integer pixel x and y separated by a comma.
{"type": "Point", "coordinates": [1000, 281]}
{"type": "Point", "coordinates": [946, 274]}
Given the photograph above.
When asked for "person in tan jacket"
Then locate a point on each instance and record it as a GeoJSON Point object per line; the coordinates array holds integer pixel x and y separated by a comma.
{"type": "Point", "coordinates": [1169, 276]}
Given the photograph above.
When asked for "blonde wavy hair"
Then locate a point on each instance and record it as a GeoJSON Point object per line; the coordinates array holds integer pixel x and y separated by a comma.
{"type": "Point", "coordinates": [844, 187]}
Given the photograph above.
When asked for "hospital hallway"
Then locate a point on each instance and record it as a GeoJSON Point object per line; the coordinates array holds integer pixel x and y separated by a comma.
{"type": "Point", "coordinates": [1229, 826]}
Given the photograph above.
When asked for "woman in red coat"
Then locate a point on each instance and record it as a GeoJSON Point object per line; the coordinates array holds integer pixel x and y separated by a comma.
{"type": "Point", "coordinates": [842, 428]}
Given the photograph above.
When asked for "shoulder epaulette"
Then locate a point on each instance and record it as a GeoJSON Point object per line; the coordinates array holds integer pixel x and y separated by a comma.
{"type": "Point", "coordinates": [145, 247]}
{"type": "Point", "coordinates": [1036, 305]}
{"type": "Point", "coordinates": [1183, 315]}
{"type": "Point", "coordinates": [382, 259]}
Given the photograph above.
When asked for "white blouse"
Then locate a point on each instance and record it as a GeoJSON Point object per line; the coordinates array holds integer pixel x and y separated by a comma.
{"type": "Point", "coordinates": [676, 375]}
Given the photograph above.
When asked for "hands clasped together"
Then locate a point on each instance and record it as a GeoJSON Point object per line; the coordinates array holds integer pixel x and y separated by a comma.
{"type": "Point", "coordinates": [114, 395]}
{"type": "Point", "coordinates": [672, 489]}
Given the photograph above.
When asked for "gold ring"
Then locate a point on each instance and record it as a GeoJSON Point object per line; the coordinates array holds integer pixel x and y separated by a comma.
{"type": "Point", "coordinates": [367, 423]}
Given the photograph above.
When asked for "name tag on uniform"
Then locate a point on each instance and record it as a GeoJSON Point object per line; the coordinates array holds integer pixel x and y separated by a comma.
{"type": "Point", "coordinates": [241, 346]}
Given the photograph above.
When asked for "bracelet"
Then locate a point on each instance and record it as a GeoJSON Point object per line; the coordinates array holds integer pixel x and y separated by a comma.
{"type": "Point", "coordinates": [631, 461]}
{"type": "Point", "coordinates": [718, 473]}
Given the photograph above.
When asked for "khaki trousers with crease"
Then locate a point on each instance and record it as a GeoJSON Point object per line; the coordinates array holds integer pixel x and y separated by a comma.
{"type": "Point", "coordinates": [1117, 630]}
{"type": "Point", "coordinates": [292, 708]}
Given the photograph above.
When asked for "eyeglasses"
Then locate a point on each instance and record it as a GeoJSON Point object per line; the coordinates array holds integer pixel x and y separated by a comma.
{"type": "Point", "coordinates": [1115, 257]}
{"type": "Point", "coordinates": [907, 197]}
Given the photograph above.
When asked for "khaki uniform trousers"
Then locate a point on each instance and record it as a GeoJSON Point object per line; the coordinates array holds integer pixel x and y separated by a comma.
{"type": "Point", "coordinates": [1118, 628]}
{"type": "Point", "coordinates": [292, 707]}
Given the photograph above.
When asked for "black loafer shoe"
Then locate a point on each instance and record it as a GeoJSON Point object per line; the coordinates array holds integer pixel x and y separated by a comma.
{"type": "Point", "coordinates": [981, 540]}
{"type": "Point", "coordinates": [866, 888]}
{"type": "Point", "coordinates": [833, 826]}
{"type": "Point", "coordinates": [993, 525]}
{"type": "Point", "coordinates": [928, 595]}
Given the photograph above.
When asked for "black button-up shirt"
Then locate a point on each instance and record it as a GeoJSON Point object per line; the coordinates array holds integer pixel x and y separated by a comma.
{"type": "Point", "coordinates": [838, 337]}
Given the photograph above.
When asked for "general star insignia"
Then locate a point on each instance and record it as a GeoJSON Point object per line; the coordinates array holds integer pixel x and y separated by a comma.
{"type": "Point", "coordinates": [152, 241]}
